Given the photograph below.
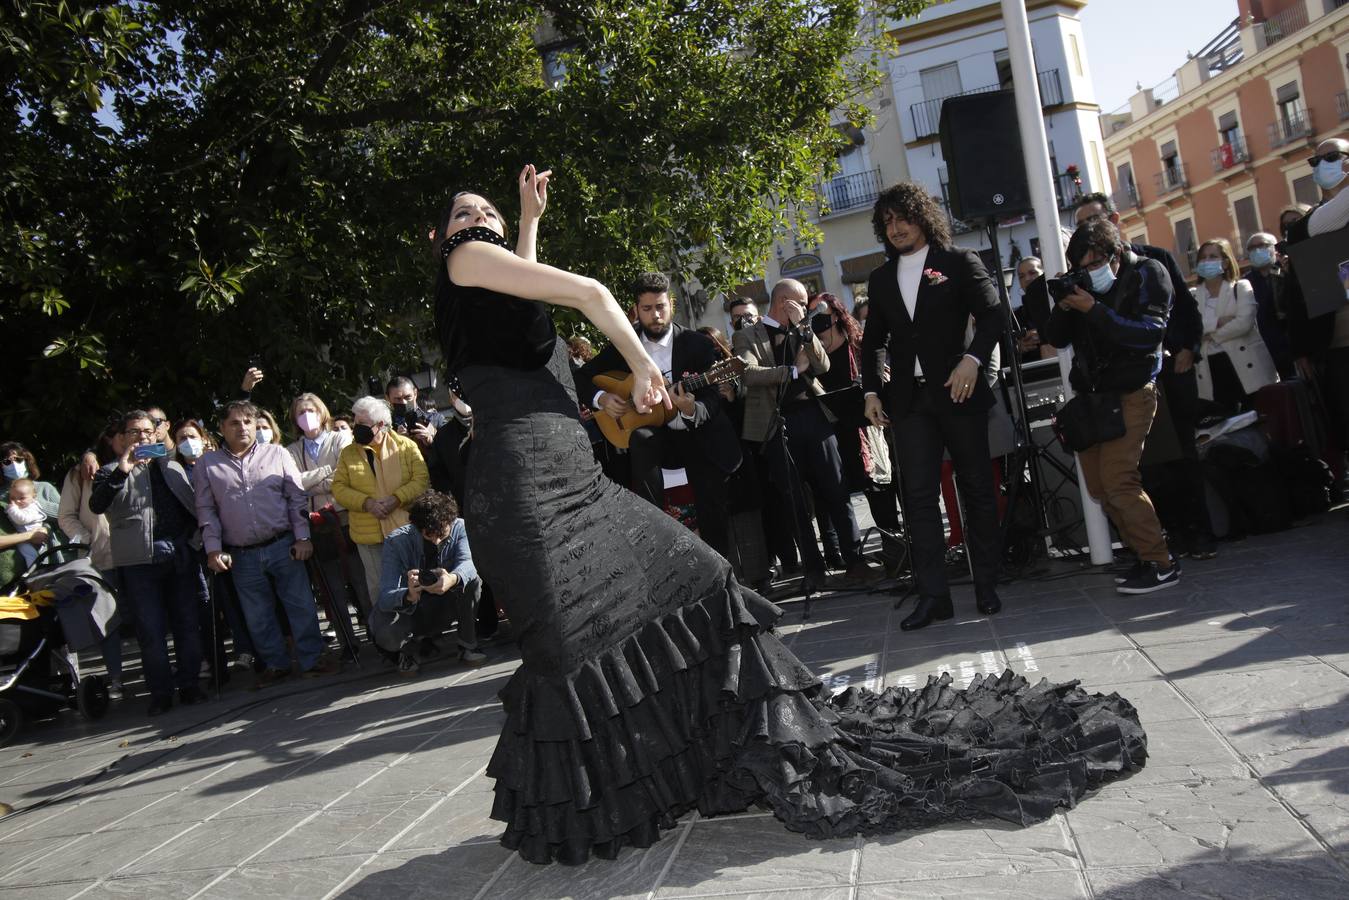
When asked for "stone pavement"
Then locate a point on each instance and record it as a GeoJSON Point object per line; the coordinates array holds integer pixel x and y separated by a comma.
{"type": "Point", "coordinates": [368, 786]}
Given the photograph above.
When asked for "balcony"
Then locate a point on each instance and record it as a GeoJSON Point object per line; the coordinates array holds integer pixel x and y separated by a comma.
{"type": "Point", "coordinates": [848, 192]}
{"type": "Point", "coordinates": [1068, 189]}
{"type": "Point", "coordinates": [1230, 155]}
{"type": "Point", "coordinates": [927, 115]}
{"type": "Point", "coordinates": [1125, 198]}
{"type": "Point", "coordinates": [1294, 128]}
{"type": "Point", "coordinates": [1342, 103]}
{"type": "Point", "coordinates": [958, 226]}
{"type": "Point", "coordinates": [1281, 24]}
{"type": "Point", "coordinates": [1172, 178]}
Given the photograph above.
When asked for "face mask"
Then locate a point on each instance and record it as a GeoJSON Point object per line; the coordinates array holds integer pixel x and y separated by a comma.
{"type": "Point", "coordinates": [307, 420]}
{"type": "Point", "coordinates": [1261, 257]}
{"type": "Point", "coordinates": [15, 470]}
{"type": "Point", "coordinates": [1102, 279]}
{"type": "Point", "coordinates": [192, 448]}
{"type": "Point", "coordinates": [363, 434]}
{"type": "Point", "coordinates": [1209, 268]}
{"type": "Point", "coordinates": [264, 435]}
{"type": "Point", "coordinates": [1328, 174]}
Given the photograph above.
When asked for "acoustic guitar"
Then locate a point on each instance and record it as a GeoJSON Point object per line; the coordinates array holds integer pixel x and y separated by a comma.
{"type": "Point", "coordinates": [619, 431]}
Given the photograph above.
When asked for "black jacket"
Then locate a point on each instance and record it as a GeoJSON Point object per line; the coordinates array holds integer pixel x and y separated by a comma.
{"type": "Point", "coordinates": [1185, 328]}
{"type": "Point", "coordinates": [1117, 345]}
{"type": "Point", "coordinates": [690, 352]}
{"type": "Point", "coordinates": [959, 288]}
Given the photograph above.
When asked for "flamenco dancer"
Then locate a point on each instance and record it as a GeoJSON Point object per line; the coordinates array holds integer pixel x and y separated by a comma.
{"type": "Point", "coordinates": [651, 682]}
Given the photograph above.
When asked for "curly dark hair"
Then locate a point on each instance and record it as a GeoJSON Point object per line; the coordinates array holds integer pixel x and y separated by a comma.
{"type": "Point", "coordinates": [912, 203]}
{"type": "Point", "coordinates": [650, 283]}
{"type": "Point", "coordinates": [433, 511]}
{"type": "Point", "coordinates": [1098, 234]}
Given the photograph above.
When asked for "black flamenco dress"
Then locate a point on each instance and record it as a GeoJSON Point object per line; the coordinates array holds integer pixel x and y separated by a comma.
{"type": "Point", "coordinates": [652, 683]}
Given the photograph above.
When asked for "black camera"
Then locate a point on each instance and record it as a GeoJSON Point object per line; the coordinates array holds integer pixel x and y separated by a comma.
{"type": "Point", "coordinates": [427, 577]}
{"type": "Point", "coordinates": [406, 418]}
{"type": "Point", "coordinates": [1060, 288]}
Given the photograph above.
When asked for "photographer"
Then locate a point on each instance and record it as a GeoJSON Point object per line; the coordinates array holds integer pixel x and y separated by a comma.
{"type": "Point", "coordinates": [428, 581]}
{"type": "Point", "coordinates": [1113, 310]}
{"type": "Point", "coordinates": [419, 424]}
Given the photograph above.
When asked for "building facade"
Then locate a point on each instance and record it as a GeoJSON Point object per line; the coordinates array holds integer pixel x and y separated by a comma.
{"type": "Point", "coordinates": [1223, 147]}
{"type": "Point", "coordinates": [951, 50]}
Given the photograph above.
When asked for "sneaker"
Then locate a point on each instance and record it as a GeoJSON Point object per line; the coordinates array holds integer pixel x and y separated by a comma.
{"type": "Point", "coordinates": [472, 657]}
{"type": "Point", "coordinates": [1152, 578]}
{"type": "Point", "coordinates": [243, 661]}
{"type": "Point", "coordinates": [1133, 572]}
{"type": "Point", "coordinates": [407, 665]}
{"type": "Point", "coordinates": [1202, 547]}
{"type": "Point", "coordinates": [114, 690]}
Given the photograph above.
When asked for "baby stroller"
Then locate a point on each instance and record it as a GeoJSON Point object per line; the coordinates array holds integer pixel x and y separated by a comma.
{"type": "Point", "coordinates": [47, 615]}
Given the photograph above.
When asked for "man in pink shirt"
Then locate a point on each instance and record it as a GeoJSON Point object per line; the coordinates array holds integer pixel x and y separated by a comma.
{"type": "Point", "coordinates": [255, 525]}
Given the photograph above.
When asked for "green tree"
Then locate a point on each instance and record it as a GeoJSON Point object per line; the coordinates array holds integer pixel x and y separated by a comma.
{"type": "Point", "coordinates": [194, 186]}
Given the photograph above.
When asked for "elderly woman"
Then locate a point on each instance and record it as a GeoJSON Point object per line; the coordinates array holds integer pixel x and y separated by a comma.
{"type": "Point", "coordinates": [1233, 362]}
{"type": "Point", "coordinates": [378, 475]}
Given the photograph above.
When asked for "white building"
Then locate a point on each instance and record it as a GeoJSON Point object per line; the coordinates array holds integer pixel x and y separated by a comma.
{"type": "Point", "coordinates": [952, 49]}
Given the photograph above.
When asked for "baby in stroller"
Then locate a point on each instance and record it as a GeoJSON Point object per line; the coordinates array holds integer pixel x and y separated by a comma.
{"type": "Point", "coordinates": [46, 616]}
{"type": "Point", "coordinates": [27, 515]}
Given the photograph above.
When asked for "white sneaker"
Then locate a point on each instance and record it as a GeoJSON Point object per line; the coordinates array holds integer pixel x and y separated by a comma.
{"type": "Point", "coordinates": [243, 661]}
{"type": "Point", "coordinates": [472, 657]}
{"type": "Point", "coordinates": [114, 690]}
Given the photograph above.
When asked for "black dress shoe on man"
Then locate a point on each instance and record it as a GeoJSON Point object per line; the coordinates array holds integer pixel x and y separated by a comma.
{"type": "Point", "coordinates": [988, 602]}
{"type": "Point", "coordinates": [929, 610]}
{"type": "Point", "coordinates": [160, 704]}
{"type": "Point", "coordinates": [191, 696]}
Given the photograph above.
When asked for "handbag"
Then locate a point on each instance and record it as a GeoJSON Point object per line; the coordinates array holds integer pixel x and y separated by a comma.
{"type": "Point", "coordinates": [1089, 419]}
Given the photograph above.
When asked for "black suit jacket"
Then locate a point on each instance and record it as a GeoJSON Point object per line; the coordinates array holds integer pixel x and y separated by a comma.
{"type": "Point", "coordinates": [935, 334]}
{"type": "Point", "coordinates": [691, 352]}
{"type": "Point", "coordinates": [1185, 328]}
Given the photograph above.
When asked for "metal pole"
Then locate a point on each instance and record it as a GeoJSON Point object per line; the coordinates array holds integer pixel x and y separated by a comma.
{"type": "Point", "coordinates": [1040, 177]}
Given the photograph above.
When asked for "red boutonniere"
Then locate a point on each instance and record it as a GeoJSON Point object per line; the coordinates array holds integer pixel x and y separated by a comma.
{"type": "Point", "coordinates": [934, 277]}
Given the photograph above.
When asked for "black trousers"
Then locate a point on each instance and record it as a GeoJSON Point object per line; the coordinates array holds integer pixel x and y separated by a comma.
{"type": "Point", "coordinates": [1182, 400]}
{"type": "Point", "coordinates": [920, 437]}
{"type": "Point", "coordinates": [391, 631]}
{"type": "Point", "coordinates": [651, 449]}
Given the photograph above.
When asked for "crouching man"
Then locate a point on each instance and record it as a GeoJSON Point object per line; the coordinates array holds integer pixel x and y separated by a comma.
{"type": "Point", "coordinates": [428, 581]}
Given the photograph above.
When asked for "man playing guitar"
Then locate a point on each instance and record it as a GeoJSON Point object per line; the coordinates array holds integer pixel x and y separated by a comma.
{"type": "Point", "coordinates": [700, 439]}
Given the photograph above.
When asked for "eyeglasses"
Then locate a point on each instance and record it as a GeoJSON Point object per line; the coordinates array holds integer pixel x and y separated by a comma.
{"type": "Point", "coordinates": [1332, 156]}
{"type": "Point", "coordinates": [139, 432]}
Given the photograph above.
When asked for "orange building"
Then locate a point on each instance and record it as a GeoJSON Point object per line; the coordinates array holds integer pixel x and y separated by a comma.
{"type": "Point", "coordinates": [1221, 148]}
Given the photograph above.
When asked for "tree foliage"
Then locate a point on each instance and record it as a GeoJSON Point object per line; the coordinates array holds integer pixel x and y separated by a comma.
{"type": "Point", "coordinates": [195, 186]}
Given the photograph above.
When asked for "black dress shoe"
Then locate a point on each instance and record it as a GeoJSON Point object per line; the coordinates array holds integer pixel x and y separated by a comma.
{"type": "Point", "coordinates": [159, 705]}
{"type": "Point", "coordinates": [191, 696]}
{"type": "Point", "coordinates": [814, 582]}
{"type": "Point", "coordinates": [929, 610]}
{"type": "Point", "coordinates": [988, 602]}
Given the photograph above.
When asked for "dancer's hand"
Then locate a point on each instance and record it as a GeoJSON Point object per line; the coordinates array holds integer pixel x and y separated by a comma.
{"type": "Point", "coordinates": [874, 410]}
{"type": "Point", "coordinates": [533, 192]}
{"type": "Point", "coordinates": [648, 388]}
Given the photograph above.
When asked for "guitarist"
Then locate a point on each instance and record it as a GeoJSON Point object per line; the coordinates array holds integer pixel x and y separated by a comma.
{"type": "Point", "coordinates": [700, 439]}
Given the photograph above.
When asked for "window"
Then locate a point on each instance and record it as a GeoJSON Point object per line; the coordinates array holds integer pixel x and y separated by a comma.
{"type": "Point", "coordinates": [1229, 132]}
{"type": "Point", "coordinates": [1186, 250]}
{"type": "Point", "coordinates": [1003, 63]}
{"type": "Point", "coordinates": [1248, 220]}
{"type": "Point", "coordinates": [1172, 173]}
{"type": "Point", "coordinates": [1077, 55]}
{"type": "Point", "coordinates": [1305, 190]}
{"type": "Point", "coordinates": [1292, 112]}
{"type": "Point", "coordinates": [1125, 174]}
{"type": "Point", "coordinates": [940, 81]}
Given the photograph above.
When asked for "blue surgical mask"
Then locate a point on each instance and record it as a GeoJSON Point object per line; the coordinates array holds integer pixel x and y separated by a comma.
{"type": "Point", "coordinates": [1102, 279]}
{"type": "Point", "coordinates": [1328, 175]}
{"type": "Point", "coordinates": [16, 470]}
{"type": "Point", "coordinates": [192, 448]}
{"type": "Point", "coordinates": [264, 435]}
{"type": "Point", "coordinates": [1209, 268]}
{"type": "Point", "coordinates": [1261, 257]}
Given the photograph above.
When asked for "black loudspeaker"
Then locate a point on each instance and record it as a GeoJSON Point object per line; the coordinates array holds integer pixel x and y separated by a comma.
{"type": "Point", "coordinates": [985, 167]}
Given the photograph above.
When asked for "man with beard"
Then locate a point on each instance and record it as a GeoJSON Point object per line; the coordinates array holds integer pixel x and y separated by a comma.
{"type": "Point", "coordinates": [699, 439]}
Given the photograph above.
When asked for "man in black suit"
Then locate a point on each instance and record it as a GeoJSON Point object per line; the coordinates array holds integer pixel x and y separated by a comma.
{"type": "Point", "coordinates": [922, 301]}
{"type": "Point", "coordinates": [700, 439]}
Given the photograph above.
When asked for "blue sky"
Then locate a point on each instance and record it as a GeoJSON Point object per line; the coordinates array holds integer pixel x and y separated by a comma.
{"type": "Point", "coordinates": [1129, 41]}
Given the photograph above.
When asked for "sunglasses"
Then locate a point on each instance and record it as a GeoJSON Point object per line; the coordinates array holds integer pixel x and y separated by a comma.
{"type": "Point", "coordinates": [1332, 156]}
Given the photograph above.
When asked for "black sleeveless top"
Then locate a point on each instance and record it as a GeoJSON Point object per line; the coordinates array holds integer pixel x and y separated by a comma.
{"type": "Point", "coordinates": [481, 327]}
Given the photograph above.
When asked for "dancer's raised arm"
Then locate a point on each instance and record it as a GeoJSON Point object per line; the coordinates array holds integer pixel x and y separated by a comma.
{"type": "Point", "coordinates": [533, 201]}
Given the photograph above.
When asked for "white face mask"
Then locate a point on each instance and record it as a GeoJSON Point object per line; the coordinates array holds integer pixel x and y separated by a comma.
{"type": "Point", "coordinates": [191, 448]}
{"type": "Point", "coordinates": [264, 435]}
{"type": "Point", "coordinates": [1102, 279]}
{"type": "Point", "coordinates": [1328, 175]}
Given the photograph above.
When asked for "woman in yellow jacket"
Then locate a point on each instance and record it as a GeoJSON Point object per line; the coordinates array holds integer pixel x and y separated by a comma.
{"type": "Point", "coordinates": [377, 477]}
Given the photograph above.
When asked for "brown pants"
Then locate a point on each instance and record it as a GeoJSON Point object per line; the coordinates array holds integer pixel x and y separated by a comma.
{"type": "Point", "coordinates": [1113, 479]}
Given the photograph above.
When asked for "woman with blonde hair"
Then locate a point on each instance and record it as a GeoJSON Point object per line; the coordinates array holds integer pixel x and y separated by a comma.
{"type": "Point", "coordinates": [316, 450]}
{"type": "Point", "coordinates": [1234, 362]}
